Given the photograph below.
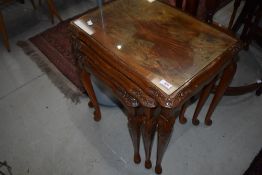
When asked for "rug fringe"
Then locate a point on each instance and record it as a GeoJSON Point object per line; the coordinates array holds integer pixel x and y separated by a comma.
{"type": "Point", "coordinates": [57, 78]}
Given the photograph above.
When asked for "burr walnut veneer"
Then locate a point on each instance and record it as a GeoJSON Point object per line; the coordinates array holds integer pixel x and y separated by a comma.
{"type": "Point", "coordinates": [154, 58]}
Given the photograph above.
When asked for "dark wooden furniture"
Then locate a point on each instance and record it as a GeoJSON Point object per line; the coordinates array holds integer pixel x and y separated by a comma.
{"type": "Point", "coordinates": [249, 18]}
{"type": "Point", "coordinates": [3, 30]}
{"type": "Point", "coordinates": [202, 9]}
{"type": "Point", "coordinates": [154, 58]}
{"type": "Point", "coordinates": [53, 11]}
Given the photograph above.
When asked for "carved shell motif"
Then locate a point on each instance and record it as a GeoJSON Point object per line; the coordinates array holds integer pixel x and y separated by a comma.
{"type": "Point", "coordinates": [165, 102]}
{"type": "Point", "coordinates": [80, 57]}
{"type": "Point", "coordinates": [126, 98]}
{"type": "Point", "coordinates": [144, 99]}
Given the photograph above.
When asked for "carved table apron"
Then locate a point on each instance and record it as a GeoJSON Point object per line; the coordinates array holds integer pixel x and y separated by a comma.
{"type": "Point", "coordinates": [153, 58]}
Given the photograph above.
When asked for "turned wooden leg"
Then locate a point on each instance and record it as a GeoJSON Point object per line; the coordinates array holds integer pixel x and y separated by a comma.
{"type": "Point", "coordinates": [4, 32]}
{"type": "Point", "coordinates": [202, 99]}
{"type": "Point", "coordinates": [210, 10]}
{"type": "Point", "coordinates": [226, 78]}
{"type": "Point", "coordinates": [134, 126]}
{"type": "Point", "coordinates": [247, 27]}
{"type": "Point", "coordinates": [53, 11]}
{"type": "Point", "coordinates": [33, 4]}
{"type": "Point", "coordinates": [241, 18]}
{"type": "Point", "coordinates": [148, 133]}
{"type": "Point", "coordinates": [182, 118]}
{"type": "Point", "coordinates": [232, 18]}
{"type": "Point", "coordinates": [179, 3]}
{"type": "Point", "coordinates": [164, 129]}
{"type": "Point", "coordinates": [85, 78]}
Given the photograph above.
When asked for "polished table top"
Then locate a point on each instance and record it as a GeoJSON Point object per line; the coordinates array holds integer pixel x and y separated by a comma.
{"type": "Point", "coordinates": [154, 43]}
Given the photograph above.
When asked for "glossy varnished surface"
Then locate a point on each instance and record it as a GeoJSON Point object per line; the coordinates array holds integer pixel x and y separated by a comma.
{"type": "Point", "coordinates": [157, 41]}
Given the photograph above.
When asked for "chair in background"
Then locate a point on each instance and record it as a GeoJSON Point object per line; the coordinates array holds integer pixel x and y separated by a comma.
{"type": "Point", "coordinates": [4, 3]}
{"type": "Point", "coordinates": [249, 18]}
{"type": "Point", "coordinates": [53, 11]}
{"type": "Point", "coordinates": [252, 29]}
{"type": "Point", "coordinates": [202, 9]}
{"type": "Point", "coordinates": [51, 7]}
{"type": "Point", "coordinates": [3, 30]}
{"type": "Point", "coordinates": [193, 7]}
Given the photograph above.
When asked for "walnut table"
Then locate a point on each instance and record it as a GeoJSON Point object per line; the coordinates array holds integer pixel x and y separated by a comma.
{"type": "Point", "coordinates": [153, 58]}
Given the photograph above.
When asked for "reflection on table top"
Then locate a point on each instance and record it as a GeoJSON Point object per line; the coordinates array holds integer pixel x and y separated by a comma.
{"type": "Point", "coordinates": [161, 44]}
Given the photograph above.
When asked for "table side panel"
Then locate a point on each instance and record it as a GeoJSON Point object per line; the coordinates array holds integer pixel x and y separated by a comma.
{"type": "Point", "coordinates": [118, 82]}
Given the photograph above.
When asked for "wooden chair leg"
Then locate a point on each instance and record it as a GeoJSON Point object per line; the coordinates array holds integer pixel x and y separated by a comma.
{"type": "Point", "coordinates": [210, 8]}
{"type": "Point", "coordinates": [240, 19]}
{"type": "Point", "coordinates": [53, 11]}
{"type": "Point", "coordinates": [226, 78]}
{"type": "Point", "coordinates": [248, 9]}
{"type": "Point", "coordinates": [232, 18]}
{"type": "Point", "coordinates": [182, 118]}
{"type": "Point", "coordinates": [4, 32]}
{"type": "Point", "coordinates": [253, 27]}
{"type": "Point", "coordinates": [33, 4]}
{"type": "Point", "coordinates": [179, 3]}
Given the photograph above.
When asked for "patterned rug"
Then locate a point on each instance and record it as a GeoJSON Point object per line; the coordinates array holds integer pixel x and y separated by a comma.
{"type": "Point", "coordinates": [55, 44]}
{"type": "Point", "coordinates": [51, 51]}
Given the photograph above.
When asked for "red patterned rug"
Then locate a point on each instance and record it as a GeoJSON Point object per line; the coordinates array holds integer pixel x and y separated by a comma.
{"type": "Point", "coordinates": [55, 44]}
{"type": "Point", "coordinates": [56, 58]}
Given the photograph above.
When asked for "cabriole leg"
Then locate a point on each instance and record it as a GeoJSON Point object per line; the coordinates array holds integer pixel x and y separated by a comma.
{"type": "Point", "coordinates": [148, 133]}
{"type": "Point", "coordinates": [85, 78]}
{"type": "Point", "coordinates": [226, 78]}
{"type": "Point", "coordinates": [202, 99]}
{"type": "Point", "coordinates": [164, 129]}
{"type": "Point", "coordinates": [134, 126]}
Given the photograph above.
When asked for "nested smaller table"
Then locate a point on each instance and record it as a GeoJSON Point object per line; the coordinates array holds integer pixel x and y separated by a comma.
{"type": "Point", "coordinates": [153, 58]}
